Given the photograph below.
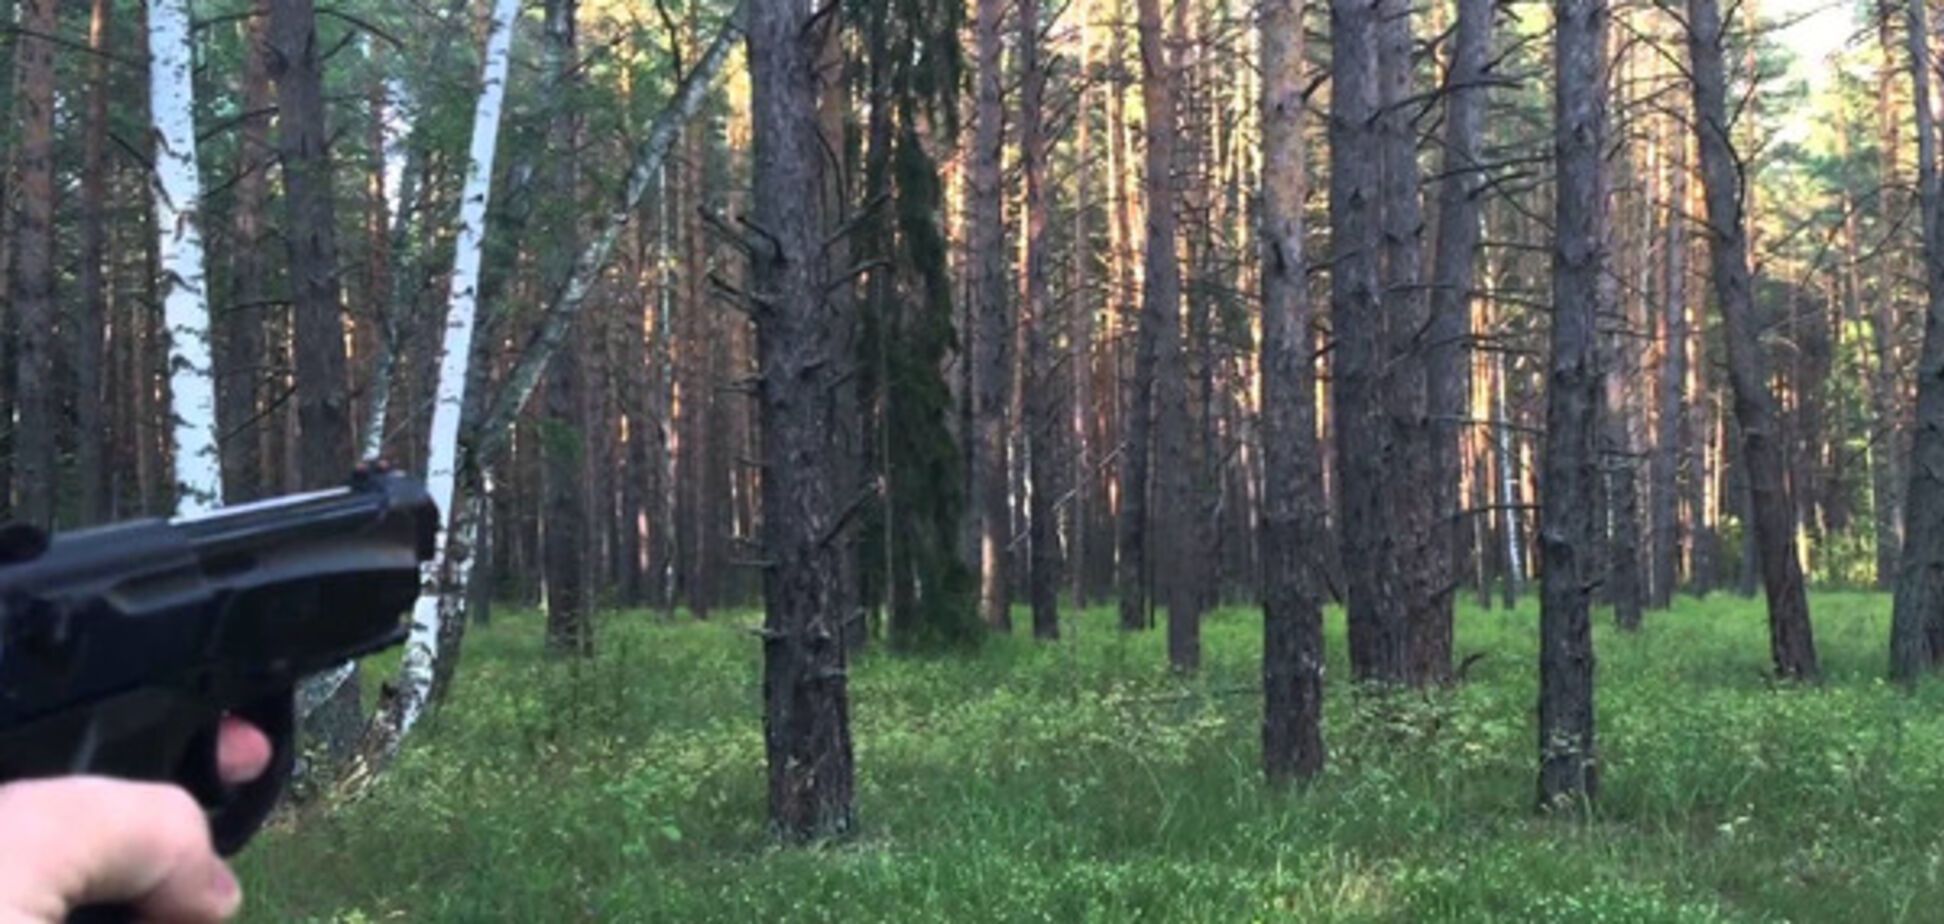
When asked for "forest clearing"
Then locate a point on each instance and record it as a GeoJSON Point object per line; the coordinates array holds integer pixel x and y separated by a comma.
{"type": "Point", "coordinates": [1086, 782]}
{"type": "Point", "coordinates": [995, 459]}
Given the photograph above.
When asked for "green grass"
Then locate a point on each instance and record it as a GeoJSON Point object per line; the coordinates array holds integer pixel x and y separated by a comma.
{"type": "Point", "coordinates": [1080, 781]}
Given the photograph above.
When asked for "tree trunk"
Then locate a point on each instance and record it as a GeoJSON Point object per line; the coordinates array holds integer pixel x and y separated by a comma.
{"type": "Point", "coordinates": [239, 398]}
{"type": "Point", "coordinates": [1889, 439]}
{"type": "Point", "coordinates": [1042, 395]}
{"type": "Point", "coordinates": [1673, 422]}
{"type": "Point", "coordinates": [436, 615]}
{"type": "Point", "coordinates": [992, 326]}
{"type": "Point", "coordinates": [178, 222]}
{"type": "Point", "coordinates": [310, 231]}
{"type": "Point", "coordinates": [1130, 520]}
{"type": "Point", "coordinates": [1916, 623]}
{"type": "Point", "coordinates": [1568, 767]}
{"type": "Point", "coordinates": [1453, 271]}
{"type": "Point", "coordinates": [90, 436]}
{"type": "Point", "coordinates": [1619, 372]}
{"type": "Point", "coordinates": [1168, 375]}
{"type": "Point", "coordinates": [1623, 580]}
{"type": "Point", "coordinates": [1791, 638]}
{"type": "Point", "coordinates": [801, 345]}
{"type": "Point", "coordinates": [1083, 415]}
{"type": "Point", "coordinates": [1377, 632]}
{"type": "Point", "coordinates": [385, 316]}
{"type": "Point", "coordinates": [570, 629]}
{"type": "Point", "coordinates": [36, 480]}
{"type": "Point", "coordinates": [1416, 557]}
{"type": "Point", "coordinates": [1292, 612]}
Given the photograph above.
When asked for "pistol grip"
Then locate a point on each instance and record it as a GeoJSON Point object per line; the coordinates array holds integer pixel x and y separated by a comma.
{"type": "Point", "coordinates": [235, 812]}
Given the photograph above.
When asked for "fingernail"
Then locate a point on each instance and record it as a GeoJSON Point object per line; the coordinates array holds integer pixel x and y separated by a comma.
{"type": "Point", "coordinates": [223, 884]}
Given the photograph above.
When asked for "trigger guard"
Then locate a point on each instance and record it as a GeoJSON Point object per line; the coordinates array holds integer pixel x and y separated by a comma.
{"type": "Point", "coordinates": [240, 810]}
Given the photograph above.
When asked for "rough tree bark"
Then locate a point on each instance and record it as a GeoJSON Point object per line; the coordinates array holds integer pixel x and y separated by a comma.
{"type": "Point", "coordinates": [565, 556]}
{"type": "Point", "coordinates": [35, 475]}
{"type": "Point", "coordinates": [1416, 558]}
{"type": "Point", "coordinates": [1665, 467]}
{"type": "Point", "coordinates": [1791, 637]}
{"type": "Point", "coordinates": [1042, 394]}
{"type": "Point", "coordinates": [1292, 613]}
{"type": "Point", "coordinates": [1377, 631]}
{"type": "Point", "coordinates": [89, 435]}
{"type": "Point", "coordinates": [310, 231]}
{"type": "Point", "coordinates": [1889, 441]}
{"type": "Point", "coordinates": [1167, 381]}
{"type": "Point", "coordinates": [1620, 493]}
{"type": "Point", "coordinates": [1083, 416]}
{"type": "Point", "coordinates": [802, 349]}
{"type": "Point", "coordinates": [1137, 417]}
{"type": "Point", "coordinates": [1568, 767]}
{"type": "Point", "coordinates": [1454, 267]}
{"type": "Point", "coordinates": [324, 451]}
{"type": "Point", "coordinates": [178, 224]}
{"type": "Point", "coordinates": [991, 325]}
{"type": "Point", "coordinates": [242, 328]}
{"type": "Point", "coordinates": [1917, 616]}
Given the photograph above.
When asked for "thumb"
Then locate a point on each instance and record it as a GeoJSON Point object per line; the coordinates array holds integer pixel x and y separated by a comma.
{"type": "Point", "coordinates": [90, 840]}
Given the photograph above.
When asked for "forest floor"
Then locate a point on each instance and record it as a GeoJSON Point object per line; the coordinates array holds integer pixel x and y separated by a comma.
{"type": "Point", "coordinates": [1081, 781]}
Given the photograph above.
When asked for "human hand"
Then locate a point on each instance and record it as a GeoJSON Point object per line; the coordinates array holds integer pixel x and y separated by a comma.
{"type": "Point", "coordinates": [71, 841]}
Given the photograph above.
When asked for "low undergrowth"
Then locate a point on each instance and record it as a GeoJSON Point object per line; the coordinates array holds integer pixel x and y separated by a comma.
{"type": "Point", "coordinates": [1081, 781]}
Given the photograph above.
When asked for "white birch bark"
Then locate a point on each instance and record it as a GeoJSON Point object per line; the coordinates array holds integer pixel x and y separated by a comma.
{"type": "Point", "coordinates": [178, 222]}
{"type": "Point", "coordinates": [422, 646]}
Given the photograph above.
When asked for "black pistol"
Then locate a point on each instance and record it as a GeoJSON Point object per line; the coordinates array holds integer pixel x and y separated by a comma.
{"type": "Point", "coordinates": [122, 647]}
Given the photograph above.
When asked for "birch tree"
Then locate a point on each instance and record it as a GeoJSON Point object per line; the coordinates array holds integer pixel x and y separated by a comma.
{"type": "Point", "coordinates": [451, 562]}
{"type": "Point", "coordinates": [178, 222]}
{"type": "Point", "coordinates": [463, 448]}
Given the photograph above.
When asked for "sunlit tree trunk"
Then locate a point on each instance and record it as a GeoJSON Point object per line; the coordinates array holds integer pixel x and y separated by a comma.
{"type": "Point", "coordinates": [1673, 423]}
